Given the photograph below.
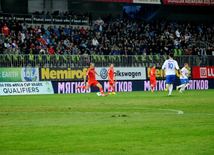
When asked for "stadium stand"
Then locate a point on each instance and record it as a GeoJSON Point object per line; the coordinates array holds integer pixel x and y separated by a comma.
{"type": "Point", "coordinates": [126, 42]}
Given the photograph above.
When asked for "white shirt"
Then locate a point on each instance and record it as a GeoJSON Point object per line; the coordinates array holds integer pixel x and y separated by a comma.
{"type": "Point", "coordinates": [23, 36]}
{"type": "Point", "coordinates": [184, 72]}
{"type": "Point", "coordinates": [95, 42]}
{"type": "Point", "coordinates": [170, 66]}
{"type": "Point", "coordinates": [177, 33]}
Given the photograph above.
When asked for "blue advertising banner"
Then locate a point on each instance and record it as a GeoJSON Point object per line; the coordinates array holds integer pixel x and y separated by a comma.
{"type": "Point", "coordinates": [26, 88]}
{"type": "Point", "coordinates": [128, 86]}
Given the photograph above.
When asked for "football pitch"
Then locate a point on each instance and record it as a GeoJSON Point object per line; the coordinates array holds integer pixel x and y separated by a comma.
{"type": "Point", "coordinates": [126, 123]}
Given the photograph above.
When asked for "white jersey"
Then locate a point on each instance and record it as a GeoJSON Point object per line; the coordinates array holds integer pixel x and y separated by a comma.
{"type": "Point", "coordinates": [170, 66]}
{"type": "Point", "coordinates": [185, 73]}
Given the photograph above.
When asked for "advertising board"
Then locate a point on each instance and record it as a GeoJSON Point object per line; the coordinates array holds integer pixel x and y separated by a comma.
{"type": "Point", "coordinates": [129, 86]}
{"type": "Point", "coordinates": [123, 73]}
{"type": "Point", "coordinates": [203, 72]}
{"type": "Point", "coordinates": [160, 73]}
{"type": "Point", "coordinates": [190, 2]}
{"type": "Point", "coordinates": [130, 1]}
{"type": "Point", "coordinates": [62, 74]}
{"type": "Point", "coordinates": [19, 74]}
{"type": "Point", "coordinates": [26, 88]}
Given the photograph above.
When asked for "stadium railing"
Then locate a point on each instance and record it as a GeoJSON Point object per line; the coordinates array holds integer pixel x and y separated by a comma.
{"type": "Point", "coordinates": [46, 19]}
{"type": "Point", "coordinates": [61, 61]}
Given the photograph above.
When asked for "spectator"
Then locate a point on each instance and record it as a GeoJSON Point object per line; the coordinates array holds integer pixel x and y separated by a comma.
{"type": "Point", "coordinates": [99, 21]}
{"type": "Point", "coordinates": [5, 29]}
{"type": "Point", "coordinates": [51, 50]}
{"type": "Point", "coordinates": [95, 42]}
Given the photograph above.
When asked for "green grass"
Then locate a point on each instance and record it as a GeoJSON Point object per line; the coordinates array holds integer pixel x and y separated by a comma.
{"type": "Point", "coordinates": [127, 123]}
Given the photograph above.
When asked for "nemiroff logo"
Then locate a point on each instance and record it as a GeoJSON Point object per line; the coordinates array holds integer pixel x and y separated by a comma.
{"type": "Point", "coordinates": [207, 72]}
{"type": "Point", "coordinates": [56, 74]}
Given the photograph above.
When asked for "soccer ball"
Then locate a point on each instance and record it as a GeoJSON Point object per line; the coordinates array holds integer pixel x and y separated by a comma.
{"type": "Point", "coordinates": [98, 94]}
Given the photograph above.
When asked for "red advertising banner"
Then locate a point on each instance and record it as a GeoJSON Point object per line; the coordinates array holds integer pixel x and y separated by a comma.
{"type": "Point", "coordinates": [123, 1]}
{"type": "Point", "coordinates": [190, 2]}
{"type": "Point", "coordinates": [131, 1]}
{"type": "Point", "coordinates": [203, 72]}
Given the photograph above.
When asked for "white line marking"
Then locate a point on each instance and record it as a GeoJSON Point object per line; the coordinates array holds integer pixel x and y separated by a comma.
{"type": "Point", "coordinates": [173, 110]}
{"type": "Point", "coordinates": [98, 107]}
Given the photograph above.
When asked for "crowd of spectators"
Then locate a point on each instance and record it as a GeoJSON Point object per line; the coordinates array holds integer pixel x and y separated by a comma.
{"type": "Point", "coordinates": [120, 37]}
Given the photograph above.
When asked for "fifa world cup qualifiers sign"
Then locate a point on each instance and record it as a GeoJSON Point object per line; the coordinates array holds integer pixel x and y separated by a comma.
{"type": "Point", "coordinates": [26, 88]}
{"type": "Point", "coordinates": [62, 74]}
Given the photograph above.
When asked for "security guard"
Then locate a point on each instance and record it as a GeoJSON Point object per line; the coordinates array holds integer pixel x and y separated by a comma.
{"type": "Point", "coordinates": [65, 59]}
{"type": "Point", "coordinates": [31, 59]}
{"type": "Point", "coordinates": [15, 59]}
{"type": "Point", "coordinates": [57, 56]}
{"type": "Point", "coordinates": [136, 59]}
{"type": "Point", "coordinates": [3, 60]}
{"type": "Point", "coordinates": [9, 58]}
{"type": "Point", "coordinates": [40, 59]}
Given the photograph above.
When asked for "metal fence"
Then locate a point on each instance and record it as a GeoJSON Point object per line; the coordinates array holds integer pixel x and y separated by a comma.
{"type": "Point", "coordinates": [99, 60]}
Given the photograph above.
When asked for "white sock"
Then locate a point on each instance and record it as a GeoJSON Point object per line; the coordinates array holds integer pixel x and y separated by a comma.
{"type": "Point", "coordinates": [181, 85]}
{"type": "Point", "coordinates": [183, 88]}
{"type": "Point", "coordinates": [170, 89]}
{"type": "Point", "coordinates": [187, 85]}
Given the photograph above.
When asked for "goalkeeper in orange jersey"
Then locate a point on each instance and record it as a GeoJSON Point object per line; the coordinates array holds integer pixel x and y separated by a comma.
{"type": "Point", "coordinates": [92, 80]}
{"type": "Point", "coordinates": [152, 73]}
{"type": "Point", "coordinates": [111, 77]}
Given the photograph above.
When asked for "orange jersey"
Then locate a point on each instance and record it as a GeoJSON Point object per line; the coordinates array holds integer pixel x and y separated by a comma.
{"type": "Point", "coordinates": [111, 73]}
{"type": "Point", "coordinates": [91, 74]}
{"type": "Point", "coordinates": [152, 73]}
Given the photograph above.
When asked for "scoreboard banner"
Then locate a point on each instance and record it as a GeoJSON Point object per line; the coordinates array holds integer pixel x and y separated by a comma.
{"type": "Point", "coordinates": [190, 2]}
{"type": "Point", "coordinates": [123, 73]}
{"type": "Point", "coordinates": [160, 73]}
{"type": "Point", "coordinates": [131, 1]}
{"type": "Point", "coordinates": [203, 72]}
{"type": "Point", "coordinates": [26, 88]}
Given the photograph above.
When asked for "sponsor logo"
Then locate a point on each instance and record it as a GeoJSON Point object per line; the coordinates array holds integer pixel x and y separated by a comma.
{"type": "Point", "coordinates": [194, 85]}
{"type": "Point", "coordinates": [123, 73]}
{"type": "Point", "coordinates": [56, 74]}
{"type": "Point", "coordinates": [203, 72]}
{"type": "Point", "coordinates": [48, 87]}
{"type": "Point", "coordinates": [29, 74]}
{"type": "Point", "coordinates": [127, 74]}
{"type": "Point", "coordinates": [70, 87]}
{"type": "Point", "coordinates": [103, 73]}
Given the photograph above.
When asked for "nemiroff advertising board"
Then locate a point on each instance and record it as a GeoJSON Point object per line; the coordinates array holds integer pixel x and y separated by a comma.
{"type": "Point", "coordinates": [123, 73]}
{"type": "Point", "coordinates": [19, 74]}
{"type": "Point", "coordinates": [62, 74]}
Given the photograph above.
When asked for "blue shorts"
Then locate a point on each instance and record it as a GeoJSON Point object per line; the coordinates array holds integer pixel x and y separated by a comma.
{"type": "Point", "coordinates": [184, 81]}
{"type": "Point", "coordinates": [170, 79]}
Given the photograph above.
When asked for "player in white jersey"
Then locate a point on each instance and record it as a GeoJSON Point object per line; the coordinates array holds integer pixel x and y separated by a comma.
{"type": "Point", "coordinates": [170, 65]}
{"type": "Point", "coordinates": [184, 78]}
